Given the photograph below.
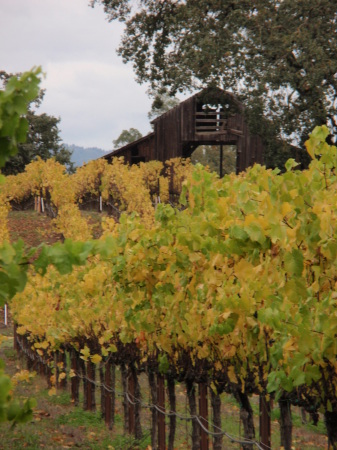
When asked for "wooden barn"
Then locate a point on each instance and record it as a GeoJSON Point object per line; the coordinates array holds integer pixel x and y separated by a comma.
{"type": "Point", "coordinates": [210, 117]}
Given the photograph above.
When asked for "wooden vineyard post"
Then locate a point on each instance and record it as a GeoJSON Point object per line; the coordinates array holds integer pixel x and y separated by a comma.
{"type": "Point", "coordinates": [90, 388]}
{"type": "Point", "coordinates": [216, 408]}
{"type": "Point", "coordinates": [173, 418]}
{"type": "Point", "coordinates": [130, 400]}
{"type": "Point", "coordinates": [154, 412]}
{"type": "Point", "coordinates": [191, 395]}
{"type": "Point", "coordinates": [161, 417]}
{"type": "Point", "coordinates": [203, 413]}
{"type": "Point", "coordinates": [265, 423]}
{"type": "Point", "coordinates": [109, 395]}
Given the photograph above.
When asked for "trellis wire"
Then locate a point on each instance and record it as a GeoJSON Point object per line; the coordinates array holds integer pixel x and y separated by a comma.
{"type": "Point", "coordinates": [136, 401]}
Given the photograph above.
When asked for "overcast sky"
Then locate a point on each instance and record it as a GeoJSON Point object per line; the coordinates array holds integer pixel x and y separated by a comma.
{"type": "Point", "coordinates": [87, 84]}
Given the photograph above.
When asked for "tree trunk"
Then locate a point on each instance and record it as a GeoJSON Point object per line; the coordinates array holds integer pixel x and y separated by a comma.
{"type": "Point", "coordinates": [330, 419]}
{"type": "Point", "coordinates": [286, 424]}
{"type": "Point", "coordinates": [56, 369]}
{"type": "Point", "coordinates": [28, 354]}
{"type": "Point", "coordinates": [173, 418]}
{"type": "Point", "coordinates": [246, 416]}
{"type": "Point", "coordinates": [265, 423]}
{"type": "Point", "coordinates": [124, 376]}
{"type": "Point", "coordinates": [103, 391]}
{"type": "Point", "coordinates": [84, 384]}
{"type": "Point", "coordinates": [109, 386]}
{"type": "Point", "coordinates": [138, 407]}
{"type": "Point", "coordinates": [203, 415]}
{"type": "Point", "coordinates": [216, 407]}
{"type": "Point", "coordinates": [61, 363]}
{"type": "Point", "coordinates": [193, 411]}
{"type": "Point", "coordinates": [161, 417]}
{"type": "Point", "coordinates": [91, 400]}
{"type": "Point", "coordinates": [48, 375]}
{"type": "Point", "coordinates": [154, 412]}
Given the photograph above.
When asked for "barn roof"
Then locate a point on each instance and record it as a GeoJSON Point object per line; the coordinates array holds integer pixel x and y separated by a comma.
{"type": "Point", "coordinates": [122, 149]}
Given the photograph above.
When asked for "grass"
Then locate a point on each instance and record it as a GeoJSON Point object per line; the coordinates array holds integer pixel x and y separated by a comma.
{"type": "Point", "coordinates": [62, 398]}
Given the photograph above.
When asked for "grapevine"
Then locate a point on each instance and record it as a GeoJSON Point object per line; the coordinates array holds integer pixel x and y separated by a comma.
{"type": "Point", "coordinates": [238, 284]}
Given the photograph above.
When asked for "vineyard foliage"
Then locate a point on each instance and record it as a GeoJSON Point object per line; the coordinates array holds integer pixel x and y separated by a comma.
{"type": "Point", "coordinates": [14, 101]}
{"type": "Point", "coordinates": [238, 282]}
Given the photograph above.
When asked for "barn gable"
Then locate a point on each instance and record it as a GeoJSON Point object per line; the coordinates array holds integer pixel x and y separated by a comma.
{"type": "Point", "coordinates": [210, 117]}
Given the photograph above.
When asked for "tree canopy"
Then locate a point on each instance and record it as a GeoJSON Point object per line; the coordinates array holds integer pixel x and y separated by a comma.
{"type": "Point", "coordinates": [278, 56]}
{"type": "Point", "coordinates": [162, 102]}
{"type": "Point", "coordinates": [126, 137]}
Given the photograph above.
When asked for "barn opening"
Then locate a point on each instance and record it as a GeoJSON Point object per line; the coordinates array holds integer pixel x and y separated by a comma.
{"type": "Point", "coordinates": [219, 158]}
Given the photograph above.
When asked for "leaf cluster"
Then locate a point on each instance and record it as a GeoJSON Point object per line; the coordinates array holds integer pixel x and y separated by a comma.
{"type": "Point", "coordinates": [14, 102]}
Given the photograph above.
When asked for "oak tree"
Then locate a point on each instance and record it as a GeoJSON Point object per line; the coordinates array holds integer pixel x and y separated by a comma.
{"type": "Point", "coordinates": [126, 137]}
{"type": "Point", "coordinates": [278, 56]}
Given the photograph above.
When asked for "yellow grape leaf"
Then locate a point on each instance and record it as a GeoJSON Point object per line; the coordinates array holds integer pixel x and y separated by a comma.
{"type": "Point", "coordinates": [285, 208]}
{"type": "Point", "coordinates": [243, 269]}
{"type": "Point", "coordinates": [96, 359]}
{"type": "Point", "coordinates": [231, 375]}
{"type": "Point", "coordinates": [251, 322]}
{"type": "Point", "coordinates": [52, 391]}
{"type": "Point", "coordinates": [62, 376]}
{"type": "Point", "coordinates": [229, 351]}
{"type": "Point", "coordinates": [310, 148]}
{"type": "Point", "coordinates": [217, 365]}
{"type": "Point", "coordinates": [23, 375]}
{"type": "Point", "coordinates": [85, 353]}
{"type": "Point", "coordinates": [290, 345]}
{"type": "Point", "coordinates": [203, 352]}
{"type": "Point", "coordinates": [226, 314]}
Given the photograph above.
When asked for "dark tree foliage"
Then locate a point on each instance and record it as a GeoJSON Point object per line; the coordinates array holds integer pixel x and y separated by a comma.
{"type": "Point", "coordinates": [278, 56]}
{"type": "Point", "coordinates": [42, 139]}
{"type": "Point", "coordinates": [126, 137]}
{"type": "Point", "coordinates": [162, 102]}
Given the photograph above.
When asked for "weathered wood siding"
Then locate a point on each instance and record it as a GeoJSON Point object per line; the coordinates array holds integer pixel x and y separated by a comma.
{"type": "Point", "coordinates": [179, 131]}
{"type": "Point", "coordinates": [167, 135]}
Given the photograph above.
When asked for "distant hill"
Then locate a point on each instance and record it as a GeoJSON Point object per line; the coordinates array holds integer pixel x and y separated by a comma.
{"type": "Point", "coordinates": [82, 154]}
